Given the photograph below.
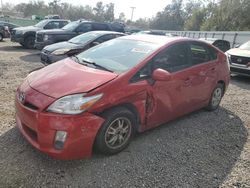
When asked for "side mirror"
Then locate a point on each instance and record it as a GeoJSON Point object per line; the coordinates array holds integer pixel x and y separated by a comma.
{"type": "Point", "coordinates": [161, 75]}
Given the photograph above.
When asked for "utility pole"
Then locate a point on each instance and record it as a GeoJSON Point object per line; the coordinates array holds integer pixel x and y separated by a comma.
{"type": "Point", "coordinates": [132, 13]}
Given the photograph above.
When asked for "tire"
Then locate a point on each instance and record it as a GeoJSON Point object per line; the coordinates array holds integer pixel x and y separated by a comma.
{"type": "Point", "coordinates": [29, 42]}
{"type": "Point", "coordinates": [116, 132]}
{"type": "Point", "coordinates": [21, 43]}
{"type": "Point", "coordinates": [1, 37]}
{"type": "Point", "coordinates": [216, 97]}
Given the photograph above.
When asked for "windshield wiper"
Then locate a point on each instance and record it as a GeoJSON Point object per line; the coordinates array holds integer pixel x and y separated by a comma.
{"type": "Point", "coordinates": [77, 59]}
{"type": "Point", "coordinates": [95, 64]}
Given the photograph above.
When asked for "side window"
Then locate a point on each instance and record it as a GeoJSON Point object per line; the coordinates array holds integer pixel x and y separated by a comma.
{"type": "Point", "coordinates": [99, 26]}
{"type": "Point", "coordinates": [201, 53]}
{"type": "Point", "coordinates": [172, 59]}
{"type": "Point", "coordinates": [84, 28]}
{"type": "Point", "coordinates": [52, 25]}
{"type": "Point", "coordinates": [63, 23]}
{"type": "Point", "coordinates": [104, 38]}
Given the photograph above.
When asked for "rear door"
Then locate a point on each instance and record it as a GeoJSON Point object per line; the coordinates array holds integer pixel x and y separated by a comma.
{"type": "Point", "coordinates": [203, 73]}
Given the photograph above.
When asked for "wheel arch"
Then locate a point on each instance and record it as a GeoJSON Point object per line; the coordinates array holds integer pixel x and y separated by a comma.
{"type": "Point", "coordinates": [129, 106]}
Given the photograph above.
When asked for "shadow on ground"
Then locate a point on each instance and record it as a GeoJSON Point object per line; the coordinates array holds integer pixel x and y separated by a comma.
{"type": "Point", "coordinates": [34, 57]}
{"type": "Point", "coordinates": [198, 150]}
{"type": "Point", "coordinates": [17, 48]}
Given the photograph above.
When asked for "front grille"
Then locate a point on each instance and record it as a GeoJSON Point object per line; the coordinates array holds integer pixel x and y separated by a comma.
{"type": "Point", "coordinates": [39, 37]}
{"type": "Point", "coordinates": [31, 106]}
{"type": "Point", "coordinates": [240, 60]}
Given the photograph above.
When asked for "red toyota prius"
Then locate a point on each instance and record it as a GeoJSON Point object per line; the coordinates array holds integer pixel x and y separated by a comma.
{"type": "Point", "coordinates": [102, 96]}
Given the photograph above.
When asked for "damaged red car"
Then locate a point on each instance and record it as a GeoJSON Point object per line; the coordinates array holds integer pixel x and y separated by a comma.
{"type": "Point", "coordinates": [101, 97]}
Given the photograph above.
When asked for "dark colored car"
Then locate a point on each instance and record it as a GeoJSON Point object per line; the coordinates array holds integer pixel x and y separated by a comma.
{"type": "Point", "coordinates": [6, 28]}
{"type": "Point", "coordinates": [47, 37]}
{"type": "Point", "coordinates": [80, 43]}
{"type": "Point", "coordinates": [10, 26]}
{"type": "Point", "coordinates": [239, 59]}
{"type": "Point", "coordinates": [26, 35]}
{"type": "Point", "coordinates": [223, 45]}
{"type": "Point", "coordinates": [101, 97]}
{"type": "Point", "coordinates": [3, 33]}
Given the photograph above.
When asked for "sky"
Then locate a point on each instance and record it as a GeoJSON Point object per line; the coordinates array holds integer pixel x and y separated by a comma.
{"type": "Point", "coordinates": [144, 8]}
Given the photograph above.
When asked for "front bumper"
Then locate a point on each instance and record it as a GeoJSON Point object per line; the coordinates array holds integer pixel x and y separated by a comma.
{"type": "Point", "coordinates": [47, 58]}
{"type": "Point", "coordinates": [239, 69]}
{"type": "Point", "coordinates": [40, 127]}
{"type": "Point", "coordinates": [17, 38]}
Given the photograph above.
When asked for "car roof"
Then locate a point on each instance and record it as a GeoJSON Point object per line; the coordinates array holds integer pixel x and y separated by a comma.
{"type": "Point", "coordinates": [105, 32]}
{"type": "Point", "coordinates": [155, 39]}
{"type": "Point", "coordinates": [56, 20]}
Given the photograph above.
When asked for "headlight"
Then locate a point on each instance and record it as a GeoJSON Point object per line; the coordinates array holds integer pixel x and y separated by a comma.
{"type": "Point", "coordinates": [73, 104]}
{"type": "Point", "coordinates": [19, 32]}
{"type": "Point", "coordinates": [61, 51]}
{"type": "Point", "coordinates": [46, 37]}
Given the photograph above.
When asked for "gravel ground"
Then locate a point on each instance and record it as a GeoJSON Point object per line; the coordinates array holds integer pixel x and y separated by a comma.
{"type": "Point", "coordinates": [203, 149]}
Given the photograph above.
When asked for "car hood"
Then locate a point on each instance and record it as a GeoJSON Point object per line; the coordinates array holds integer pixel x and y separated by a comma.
{"type": "Point", "coordinates": [239, 52]}
{"type": "Point", "coordinates": [68, 77]}
{"type": "Point", "coordinates": [27, 28]}
{"type": "Point", "coordinates": [56, 32]}
{"type": "Point", "coordinates": [61, 45]}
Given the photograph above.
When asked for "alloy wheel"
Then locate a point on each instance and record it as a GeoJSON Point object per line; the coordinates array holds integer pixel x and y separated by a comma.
{"type": "Point", "coordinates": [118, 132]}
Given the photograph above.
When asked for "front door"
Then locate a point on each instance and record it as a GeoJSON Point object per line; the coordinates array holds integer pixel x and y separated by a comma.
{"type": "Point", "coordinates": [170, 99]}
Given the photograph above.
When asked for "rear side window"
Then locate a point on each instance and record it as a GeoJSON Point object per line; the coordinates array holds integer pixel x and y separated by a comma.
{"type": "Point", "coordinates": [63, 23]}
{"type": "Point", "coordinates": [105, 38]}
{"type": "Point", "coordinates": [52, 25]}
{"type": "Point", "coordinates": [98, 26]}
{"type": "Point", "coordinates": [201, 53]}
{"type": "Point", "coordinates": [84, 28]}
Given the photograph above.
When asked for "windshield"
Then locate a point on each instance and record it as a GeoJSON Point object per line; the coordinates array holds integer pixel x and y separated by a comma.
{"type": "Point", "coordinates": [71, 26]}
{"type": "Point", "coordinates": [84, 38]}
{"type": "Point", "coordinates": [41, 24]}
{"type": "Point", "coordinates": [119, 55]}
{"type": "Point", "coordinates": [245, 46]}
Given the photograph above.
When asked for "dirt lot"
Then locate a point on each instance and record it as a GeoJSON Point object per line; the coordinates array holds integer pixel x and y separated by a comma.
{"type": "Point", "coordinates": [203, 149]}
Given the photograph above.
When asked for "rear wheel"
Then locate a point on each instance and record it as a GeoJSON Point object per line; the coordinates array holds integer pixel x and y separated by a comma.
{"type": "Point", "coordinates": [1, 37]}
{"type": "Point", "coordinates": [116, 132]}
{"type": "Point", "coordinates": [216, 97]}
{"type": "Point", "coordinates": [29, 42]}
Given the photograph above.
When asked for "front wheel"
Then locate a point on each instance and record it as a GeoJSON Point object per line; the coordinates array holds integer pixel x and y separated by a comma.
{"type": "Point", "coordinates": [216, 97]}
{"type": "Point", "coordinates": [29, 42]}
{"type": "Point", "coordinates": [116, 132]}
{"type": "Point", "coordinates": [1, 37]}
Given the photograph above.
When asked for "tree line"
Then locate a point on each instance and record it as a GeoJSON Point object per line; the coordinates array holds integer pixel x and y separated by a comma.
{"type": "Point", "coordinates": [192, 15]}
